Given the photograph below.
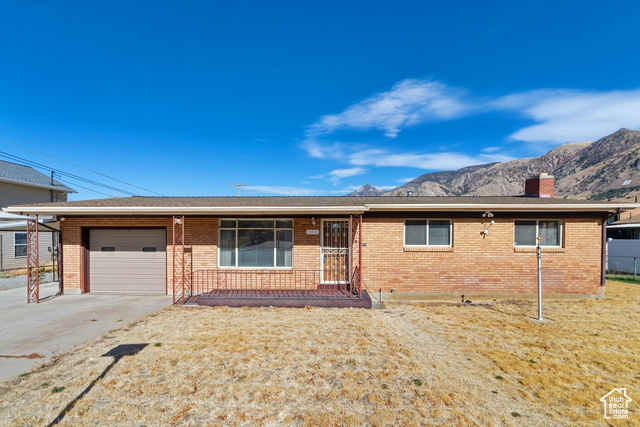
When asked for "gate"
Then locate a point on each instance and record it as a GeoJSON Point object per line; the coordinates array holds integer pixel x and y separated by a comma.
{"type": "Point", "coordinates": [335, 251]}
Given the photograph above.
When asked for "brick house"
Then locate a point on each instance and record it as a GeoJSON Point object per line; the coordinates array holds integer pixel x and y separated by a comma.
{"type": "Point", "coordinates": [402, 246]}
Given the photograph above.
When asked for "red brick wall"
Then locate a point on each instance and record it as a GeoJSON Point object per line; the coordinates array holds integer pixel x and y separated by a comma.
{"type": "Point", "coordinates": [474, 264]}
{"type": "Point", "coordinates": [482, 265]}
{"type": "Point", "coordinates": [201, 243]}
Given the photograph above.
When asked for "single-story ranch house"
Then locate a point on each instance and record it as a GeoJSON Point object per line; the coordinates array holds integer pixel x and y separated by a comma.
{"type": "Point", "coordinates": [404, 247]}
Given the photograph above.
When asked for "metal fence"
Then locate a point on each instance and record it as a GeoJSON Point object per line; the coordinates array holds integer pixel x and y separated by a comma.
{"type": "Point", "coordinates": [16, 278]}
{"type": "Point", "coordinates": [624, 265]}
{"type": "Point", "coordinates": [623, 257]}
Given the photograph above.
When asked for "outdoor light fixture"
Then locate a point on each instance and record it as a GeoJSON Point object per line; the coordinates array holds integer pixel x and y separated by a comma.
{"type": "Point", "coordinates": [178, 221]}
{"type": "Point", "coordinates": [313, 221]}
{"type": "Point", "coordinates": [487, 214]}
{"type": "Point", "coordinates": [485, 232]}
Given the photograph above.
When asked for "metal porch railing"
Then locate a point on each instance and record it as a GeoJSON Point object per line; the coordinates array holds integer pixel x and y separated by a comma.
{"type": "Point", "coordinates": [271, 282]}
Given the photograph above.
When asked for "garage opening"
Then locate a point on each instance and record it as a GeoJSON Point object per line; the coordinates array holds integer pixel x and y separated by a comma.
{"type": "Point", "coordinates": [128, 261]}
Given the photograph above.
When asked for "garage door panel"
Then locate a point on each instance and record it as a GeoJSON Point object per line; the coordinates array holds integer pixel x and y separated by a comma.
{"type": "Point", "coordinates": [150, 274]}
{"type": "Point", "coordinates": [123, 256]}
{"type": "Point", "coordinates": [128, 261]}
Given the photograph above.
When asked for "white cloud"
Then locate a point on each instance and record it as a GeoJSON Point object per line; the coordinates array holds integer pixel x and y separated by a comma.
{"type": "Point", "coordinates": [571, 115]}
{"type": "Point", "coordinates": [344, 173]}
{"type": "Point", "coordinates": [556, 116]}
{"type": "Point", "coordinates": [433, 161]}
{"type": "Point", "coordinates": [283, 190]}
{"type": "Point", "coordinates": [491, 149]}
{"type": "Point", "coordinates": [405, 180]}
{"type": "Point", "coordinates": [408, 103]}
{"type": "Point", "coordinates": [296, 191]}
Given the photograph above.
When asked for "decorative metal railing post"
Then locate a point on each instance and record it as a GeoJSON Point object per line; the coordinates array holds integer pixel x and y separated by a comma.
{"type": "Point", "coordinates": [33, 262]}
{"type": "Point", "coordinates": [60, 261]}
{"type": "Point", "coordinates": [178, 259]}
{"type": "Point", "coordinates": [355, 256]}
{"type": "Point", "coordinates": [360, 257]}
{"type": "Point", "coordinates": [350, 286]}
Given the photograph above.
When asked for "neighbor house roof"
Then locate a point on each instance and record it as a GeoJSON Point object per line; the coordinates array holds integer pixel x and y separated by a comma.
{"type": "Point", "coordinates": [25, 175]}
{"type": "Point", "coordinates": [626, 223]}
{"type": "Point", "coordinates": [309, 205]}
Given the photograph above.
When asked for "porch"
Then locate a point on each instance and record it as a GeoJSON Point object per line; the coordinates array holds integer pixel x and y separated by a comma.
{"type": "Point", "coordinates": [284, 288]}
{"type": "Point", "coordinates": [336, 284]}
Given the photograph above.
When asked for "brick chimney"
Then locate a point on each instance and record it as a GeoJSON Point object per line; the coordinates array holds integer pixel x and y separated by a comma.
{"type": "Point", "coordinates": [539, 186]}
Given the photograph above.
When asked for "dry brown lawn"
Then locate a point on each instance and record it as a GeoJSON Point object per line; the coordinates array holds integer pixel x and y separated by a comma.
{"type": "Point", "coordinates": [408, 364]}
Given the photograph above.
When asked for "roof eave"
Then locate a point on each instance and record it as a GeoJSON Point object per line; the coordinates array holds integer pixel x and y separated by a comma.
{"type": "Point", "coordinates": [266, 210]}
{"type": "Point", "coordinates": [46, 187]}
{"type": "Point", "coordinates": [192, 210]}
{"type": "Point", "coordinates": [479, 207]}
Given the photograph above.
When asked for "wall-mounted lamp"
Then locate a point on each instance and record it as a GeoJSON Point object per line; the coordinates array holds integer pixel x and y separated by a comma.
{"type": "Point", "coordinates": [487, 214]}
{"type": "Point", "coordinates": [313, 221]}
{"type": "Point", "coordinates": [485, 232]}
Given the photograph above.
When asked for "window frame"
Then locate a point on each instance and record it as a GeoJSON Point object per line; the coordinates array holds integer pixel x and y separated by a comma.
{"type": "Point", "coordinates": [275, 251]}
{"type": "Point", "coordinates": [15, 245]}
{"type": "Point", "coordinates": [427, 245]}
{"type": "Point", "coordinates": [537, 234]}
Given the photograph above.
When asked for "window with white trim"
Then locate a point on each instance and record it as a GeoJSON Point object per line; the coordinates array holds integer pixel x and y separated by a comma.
{"type": "Point", "coordinates": [427, 232]}
{"type": "Point", "coordinates": [255, 243]}
{"type": "Point", "coordinates": [526, 232]}
{"type": "Point", "coordinates": [19, 245]}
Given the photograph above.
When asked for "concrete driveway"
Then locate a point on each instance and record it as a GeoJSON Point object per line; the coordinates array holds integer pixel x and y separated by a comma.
{"type": "Point", "coordinates": [58, 324]}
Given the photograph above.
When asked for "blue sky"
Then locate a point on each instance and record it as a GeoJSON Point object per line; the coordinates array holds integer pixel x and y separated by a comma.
{"type": "Point", "coordinates": [306, 98]}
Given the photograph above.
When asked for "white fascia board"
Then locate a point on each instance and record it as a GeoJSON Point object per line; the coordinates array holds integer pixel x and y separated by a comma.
{"type": "Point", "coordinates": [627, 225]}
{"type": "Point", "coordinates": [61, 210]}
{"type": "Point", "coordinates": [478, 207]}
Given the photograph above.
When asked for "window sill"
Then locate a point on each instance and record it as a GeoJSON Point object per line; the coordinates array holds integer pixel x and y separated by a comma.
{"type": "Point", "coordinates": [428, 249]}
{"type": "Point", "coordinates": [534, 249]}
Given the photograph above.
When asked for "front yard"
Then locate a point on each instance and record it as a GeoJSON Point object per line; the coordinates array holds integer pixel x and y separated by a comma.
{"type": "Point", "coordinates": [437, 363]}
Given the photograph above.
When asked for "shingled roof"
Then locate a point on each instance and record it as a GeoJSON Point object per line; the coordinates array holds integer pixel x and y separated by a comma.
{"type": "Point", "coordinates": [319, 204]}
{"type": "Point", "coordinates": [21, 174]}
{"type": "Point", "coordinates": [629, 221]}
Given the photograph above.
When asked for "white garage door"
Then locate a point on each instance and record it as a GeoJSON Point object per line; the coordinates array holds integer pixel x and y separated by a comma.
{"type": "Point", "coordinates": [128, 261]}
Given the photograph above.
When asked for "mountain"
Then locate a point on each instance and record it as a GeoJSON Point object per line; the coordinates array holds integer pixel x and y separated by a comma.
{"type": "Point", "coordinates": [367, 190]}
{"type": "Point", "coordinates": [604, 169]}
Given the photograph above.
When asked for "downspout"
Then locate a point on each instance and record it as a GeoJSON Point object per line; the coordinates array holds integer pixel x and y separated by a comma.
{"type": "Point", "coordinates": [603, 259]}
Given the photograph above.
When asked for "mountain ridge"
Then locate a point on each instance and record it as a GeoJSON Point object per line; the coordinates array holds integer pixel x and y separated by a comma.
{"type": "Point", "coordinates": [604, 169]}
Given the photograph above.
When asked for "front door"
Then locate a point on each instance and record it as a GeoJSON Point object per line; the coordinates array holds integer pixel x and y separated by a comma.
{"type": "Point", "coordinates": [335, 251]}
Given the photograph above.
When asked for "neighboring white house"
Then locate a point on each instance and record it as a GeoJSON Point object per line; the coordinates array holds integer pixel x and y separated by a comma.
{"type": "Point", "coordinates": [21, 184]}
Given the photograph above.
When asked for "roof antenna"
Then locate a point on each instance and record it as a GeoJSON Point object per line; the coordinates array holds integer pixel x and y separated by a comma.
{"type": "Point", "coordinates": [238, 187]}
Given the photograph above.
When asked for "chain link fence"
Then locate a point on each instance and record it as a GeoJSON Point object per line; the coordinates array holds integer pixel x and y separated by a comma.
{"type": "Point", "coordinates": [624, 265]}
{"type": "Point", "coordinates": [16, 278]}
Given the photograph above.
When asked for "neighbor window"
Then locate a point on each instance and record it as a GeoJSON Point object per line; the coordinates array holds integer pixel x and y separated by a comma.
{"type": "Point", "coordinates": [550, 232]}
{"type": "Point", "coordinates": [255, 243]}
{"type": "Point", "coordinates": [20, 245]}
{"type": "Point", "coordinates": [427, 232]}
